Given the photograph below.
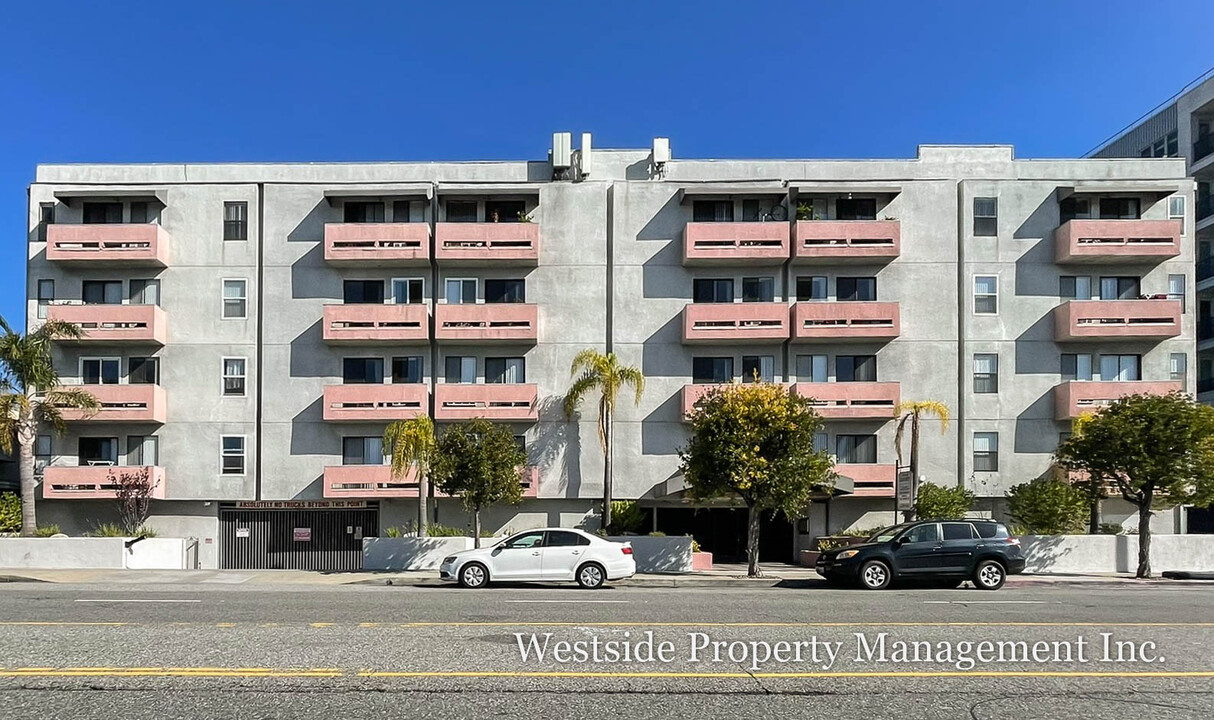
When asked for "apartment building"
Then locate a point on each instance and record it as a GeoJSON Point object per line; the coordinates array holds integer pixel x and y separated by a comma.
{"type": "Point", "coordinates": [252, 328]}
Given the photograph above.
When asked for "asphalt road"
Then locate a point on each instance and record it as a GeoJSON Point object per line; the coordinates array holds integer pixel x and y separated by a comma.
{"type": "Point", "coordinates": [238, 652]}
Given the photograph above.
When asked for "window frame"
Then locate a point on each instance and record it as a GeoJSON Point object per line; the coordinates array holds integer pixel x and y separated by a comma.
{"type": "Point", "coordinates": [976, 295]}
{"type": "Point", "coordinates": [991, 379]}
{"type": "Point", "coordinates": [989, 458]}
{"type": "Point", "coordinates": [117, 359]}
{"type": "Point", "coordinates": [408, 281]}
{"type": "Point", "coordinates": [243, 299]}
{"type": "Point", "coordinates": [989, 226]}
{"type": "Point", "coordinates": [224, 376]}
{"type": "Point", "coordinates": [239, 226]}
{"type": "Point", "coordinates": [461, 280]}
{"type": "Point", "coordinates": [243, 455]}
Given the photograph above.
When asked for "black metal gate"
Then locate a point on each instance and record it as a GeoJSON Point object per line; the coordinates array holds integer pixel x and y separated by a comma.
{"type": "Point", "coordinates": [292, 539]}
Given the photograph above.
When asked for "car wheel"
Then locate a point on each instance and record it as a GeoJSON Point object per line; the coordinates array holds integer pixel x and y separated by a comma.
{"type": "Point", "coordinates": [474, 575]}
{"type": "Point", "coordinates": [591, 576]}
{"type": "Point", "coordinates": [875, 575]}
{"type": "Point", "coordinates": [989, 575]}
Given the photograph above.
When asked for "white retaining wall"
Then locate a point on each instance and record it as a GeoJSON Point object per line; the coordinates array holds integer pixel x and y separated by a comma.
{"type": "Point", "coordinates": [1115, 553]}
{"type": "Point", "coordinates": [97, 553]}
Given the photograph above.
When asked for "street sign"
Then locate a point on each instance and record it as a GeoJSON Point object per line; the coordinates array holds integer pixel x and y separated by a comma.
{"type": "Point", "coordinates": [300, 504]}
{"type": "Point", "coordinates": [905, 490]}
{"type": "Point", "coordinates": [242, 532]}
{"type": "Point", "coordinates": [303, 534]}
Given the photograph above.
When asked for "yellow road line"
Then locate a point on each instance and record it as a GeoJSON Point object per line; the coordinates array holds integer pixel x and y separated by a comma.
{"type": "Point", "coordinates": [173, 672]}
{"type": "Point", "coordinates": [800, 624]}
{"type": "Point", "coordinates": [790, 675]}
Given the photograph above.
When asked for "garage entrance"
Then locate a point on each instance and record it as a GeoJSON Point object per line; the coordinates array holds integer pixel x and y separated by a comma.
{"type": "Point", "coordinates": [295, 535]}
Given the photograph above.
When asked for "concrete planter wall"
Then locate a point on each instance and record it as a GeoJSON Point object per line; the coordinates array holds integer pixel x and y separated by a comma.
{"type": "Point", "coordinates": [98, 553]}
{"type": "Point", "coordinates": [659, 554]}
{"type": "Point", "coordinates": [1115, 553]}
{"type": "Point", "coordinates": [413, 553]}
{"type": "Point", "coordinates": [701, 561]}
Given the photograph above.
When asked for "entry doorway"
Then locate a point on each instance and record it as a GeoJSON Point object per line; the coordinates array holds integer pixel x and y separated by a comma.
{"type": "Point", "coordinates": [722, 531]}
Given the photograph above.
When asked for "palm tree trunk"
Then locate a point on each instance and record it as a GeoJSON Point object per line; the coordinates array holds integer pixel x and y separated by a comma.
{"type": "Point", "coordinates": [914, 460]}
{"type": "Point", "coordinates": [26, 432]}
{"type": "Point", "coordinates": [752, 542]}
{"type": "Point", "coordinates": [608, 432]}
{"type": "Point", "coordinates": [423, 488]}
{"type": "Point", "coordinates": [476, 528]}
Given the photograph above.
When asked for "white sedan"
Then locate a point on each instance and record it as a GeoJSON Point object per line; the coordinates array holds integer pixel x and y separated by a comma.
{"type": "Point", "coordinates": [544, 555]}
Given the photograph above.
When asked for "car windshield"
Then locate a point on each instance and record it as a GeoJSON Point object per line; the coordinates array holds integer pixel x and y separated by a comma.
{"type": "Point", "coordinates": [887, 534]}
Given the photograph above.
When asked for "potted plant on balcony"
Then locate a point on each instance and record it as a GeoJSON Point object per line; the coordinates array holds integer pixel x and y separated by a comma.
{"type": "Point", "coordinates": [805, 211]}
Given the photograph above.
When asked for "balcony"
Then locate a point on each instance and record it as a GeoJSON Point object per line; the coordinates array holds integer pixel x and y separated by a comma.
{"type": "Point", "coordinates": [1076, 397]}
{"type": "Point", "coordinates": [372, 323]}
{"type": "Point", "coordinates": [724, 323]}
{"type": "Point", "coordinates": [142, 244]}
{"type": "Point", "coordinates": [1205, 207]}
{"type": "Point", "coordinates": [735, 243]}
{"type": "Point", "coordinates": [376, 481]}
{"type": "Point", "coordinates": [852, 400]}
{"type": "Point", "coordinates": [508, 243]}
{"type": "Point", "coordinates": [869, 480]}
{"type": "Point", "coordinates": [491, 401]}
{"type": "Point", "coordinates": [122, 404]}
{"type": "Point", "coordinates": [843, 241]}
{"type": "Point", "coordinates": [486, 323]}
{"type": "Point", "coordinates": [1106, 241]}
{"type": "Point", "coordinates": [1203, 148]}
{"type": "Point", "coordinates": [93, 482]}
{"type": "Point", "coordinates": [115, 324]}
{"type": "Point", "coordinates": [1079, 320]}
{"type": "Point", "coordinates": [845, 321]}
{"type": "Point", "coordinates": [375, 402]}
{"type": "Point", "coordinates": [377, 244]}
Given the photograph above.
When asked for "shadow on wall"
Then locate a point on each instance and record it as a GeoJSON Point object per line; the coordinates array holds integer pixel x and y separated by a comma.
{"type": "Point", "coordinates": [311, 278]}
{"type": "Point", "coordinates": [1039, 229]}
{"type": "Point", "coordinates": [557, 447]}
{"type": "Point", "coordinates": [1036, 429]}
{"type": "Point", "coordinates": [312, 227]}
{"type": "Point", "coordinates": [381, 553]}
{"type": "Point", "coordinates": [1045, 553]}
{"type": "Point", "coordinates": [314, 490]}
{"type": "Point", "coordinates": [311, 357]}
{"type": "Point", "coordinates": [1030, 357]}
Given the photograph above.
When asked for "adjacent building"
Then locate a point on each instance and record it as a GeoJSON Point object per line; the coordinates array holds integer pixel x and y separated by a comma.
{"type": "Point", "coordinates": [251, 328]}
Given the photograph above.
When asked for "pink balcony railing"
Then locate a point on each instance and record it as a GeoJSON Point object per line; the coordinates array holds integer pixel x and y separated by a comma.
{"type": "Point", "coordinates": [851, 320]}
{"type": "Point", "coordinates": [492, 401]}
{"type": "Point", "coordinates": [376, 481]}
{"type": "Point", "coordinates": [94, 482]}
{"type": "Point", "coordinates": [735, 322]}
{"type": "Point", "coordinates": [848, 240]}
{"type": "Point", "coordinates": [869, 480]}
{"type": "Point", "coordinates": [1117, 319]}
{"type": "Point", "coordinates": [122, 403]}
{"type": "Point", "coordinates": [104, 324]}
{"type": "Point", "coordinates": [691, 394]}
{"type": "Point", "coordinates": [377, 243]}
{"type": "Point", "coordinates": [735, 243]}
{"type": "Point", "coordinates": [511, 243]}
{"type": "Point", "coordinates": [487, 322]}
{"type": "Point", "coordinates": [375, 402]}
{"type": "Point", "coordinates": [405, 323]}
{"type": "Point", "coordinates": [875, 400]}
{"type": "Point", "coordinates": [1078, 241]}
{"type": "Point", "coordinates": [142, 244]}
{"type": "Point", "coordinates": [1076, 397]}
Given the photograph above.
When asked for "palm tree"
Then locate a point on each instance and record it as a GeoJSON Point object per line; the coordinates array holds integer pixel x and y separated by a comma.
{"type": "Point", "coordinates": [412, 443]}
{"type": "Point", "coordinates": [605, 374]}
{"type": "Point", "coordinates": [30, 394]}
{"type": "Point", "coordinates": [914, 410]}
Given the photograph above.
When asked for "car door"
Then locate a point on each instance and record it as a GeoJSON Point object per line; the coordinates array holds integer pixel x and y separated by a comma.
{"type": "Point", "coordinates": [957, 547]}
{"type": "Point", "coordinates": [919, 550]}
{"type": "Point", "coordinates": [563, 552]}
{"type": "Point", "coordinates": [519, 558]}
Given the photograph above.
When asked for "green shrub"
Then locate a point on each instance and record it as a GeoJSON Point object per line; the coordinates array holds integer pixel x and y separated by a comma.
{"type": "Point", "coordinates": [626, 517]}
{"type": "Point", "coordinates": [392, 532]}
{"type": "Point", "coordinates": [864, 533]}
{"type": "Point", "coordinates": [825, 544]}
{"type": "Point", "coordinates": [657, 533]}
{"type": "Point", "coordinates": [116, 530]}
{"type": "Point", "coordinates": [1048, 506]}
{"type": "Point", "coordinates": [48, 530]}
{"type": "Point", "coordinates": [1110, 529]}
{"type": "Point", "coordinates": [941, 503]}
{"type": "Point", "coordinates": [10, 513]}
{"type": "Point", "coordinates": [437, 530]}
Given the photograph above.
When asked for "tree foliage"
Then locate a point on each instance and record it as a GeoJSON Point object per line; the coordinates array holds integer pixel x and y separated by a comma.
{"type": "Point", "coordinates": [10, 513]}
{"type": "Point", "coordinates": [1049, 506]}
{"type": "Point", "coordinates": [479, 462]}
{"type": "Point", "coordinates": [133, 490]}
{"type": "Point", "coordinates": [942, 503]}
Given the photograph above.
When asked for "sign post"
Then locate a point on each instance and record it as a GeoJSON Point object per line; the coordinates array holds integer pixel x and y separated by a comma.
{"type": "Point", "coordinates": [904, 492]}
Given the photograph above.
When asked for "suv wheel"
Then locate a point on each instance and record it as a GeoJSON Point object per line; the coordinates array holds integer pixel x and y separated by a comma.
{"type": "Point", "coordinates": [989, 575]}
{"type": "Point", "coordinates": [874, 575]}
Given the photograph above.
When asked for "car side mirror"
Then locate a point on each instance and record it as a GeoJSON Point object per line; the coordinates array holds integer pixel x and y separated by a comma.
{"type": "Point", "coordinates": [902, 541]}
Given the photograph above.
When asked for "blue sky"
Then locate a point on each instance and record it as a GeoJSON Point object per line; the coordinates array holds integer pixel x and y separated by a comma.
{"type": "Point", "coordinates": [402, 80]}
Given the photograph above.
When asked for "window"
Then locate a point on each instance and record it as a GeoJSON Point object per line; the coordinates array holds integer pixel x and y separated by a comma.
{"type": "Point", "coordinates": [986, 373]}
{"type": "Point", "coordinates": [236, 221]}
{"type": "Point", "coordinates": [811, 288]}
{"type": "Point", "coordinates": [811, 368]}
{"type": "Point", "coordinates": [1074, 208]}
{"type": "Point", "coordinates": [758, 289]}
{"type": "Point", "coordinates": [986, 216]}
{"type": "Point", "coordinates": [144, 292]}
{"type": "Point", "coordinates": [1179, 364]}
{"type": "Point", "coordinates": [143, 371]}
{"type": "Point", "coordinates": [711, 369]}
{"type": "Point", "coordinates": [363, 212]}
{"type": "Point", "coordinates": [99, 371]}
{"type": "Point", "coordinates": [101, 292]}
{"type": "Point", "coordinates": [461, 292]}
{"type": "Point", "coordinates": [139, 212]}
{"type": "Point", "coordinates": [821, 442]}
{"type": "Point", "coordinates": [407, 369]}
{"type": "Point", "coordinates": [526, 541]}
{"type": "Point", "coordinates": [856, 208]}
{"type": "Point", "coordinates": [142, 450]}
{"type": "Point", "coordinates": [564, 538]}
{"type": "Point", "coordinates": [234, 377]}
{"type": "Point", "coordinates": [761, 366]}
{"type": "Point", "coordinates": [408, 291]}
{"type": "Point", "coordinates": [1120, 368]}
{"type": "Point", "coordinates": [509, 370]}
{"type": "Point", "coordinates": [231, 455]}
{"type": "Point", "coordinates": [97, 451]}
{"type": "Point", "coordinates": [362, 371]}
{"type": "Point", "coordinates": [1119, 209]}
{"type": "Point", "coordinates": [363, 292]}
{"type": "Point", "coordinates": [1075, 287]}
{"type": "Point", "coordinates": [362, 450]}
{"type": "Point", "coordinates": [46, 216]}
{"type": "Point", "coordinates": [1176, 210]}
{"type": "Point", "coordinates": [461, 211]}
{"type": "Point", "coordinates": [958, 531]}
{"type": "Point", "coordinates": [42, 452]}
{"type": "Point", "coordinates": [986, 452]}
{"type": "Point", "coordinates": [856, 288]}
{"type": "Point", "coordinates": [1076, 366]}
{"type": "Point", "coordinates": [505, 291]}
{"type": "Point", "coordinates": [856, 449]}
{"type": "Point", "coordinates": [923, 534]}
{"type": "Point", "coordinates": [461, 369]}
{"type": "Point", "coordinates": [401, 211]}
{"type": "Point", "coordinates": [235, 299]}
{"type": "Point", "coordinates": [986, 295]}
{"type": "Point", "coordinates": [46, 295]}
{"type": "Point", "coordinates": [751, 210]}
{"type": "Point", "coordinates": [856, 368]}
{"type": "Point", "coordinates": [712, 290]}
{"type": "Point", "coordinates": [712, 211]}
{"type": "Point", "coordinates": [505, 210]}
{"type": "Point", "coordinates": [1176, 289]}
{"type": "Point", "coordinates": [1118, 288]}
{"type": "Point", "coordinates": [102, 213]}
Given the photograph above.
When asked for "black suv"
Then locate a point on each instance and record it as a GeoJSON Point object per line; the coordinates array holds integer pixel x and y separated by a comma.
{"type": "Point", "coordinates": [945, 552]}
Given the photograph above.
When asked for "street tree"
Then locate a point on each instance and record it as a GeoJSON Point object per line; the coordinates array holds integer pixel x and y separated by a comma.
{"type": "Point", "coordinates": [755, 441]}
{"type": "Point", "coordinates": [914, 411]}
{"type": "Point", "coordinates": [411, 444]}
{"type": "Point", "coordinates": [1157, 450]}
{"type": "Point", "coordinates": [603, 373]}
{"type": "Point", "coordinates": [133, 489]}
{"type": "Point", "coordinates": [479, 462]}
{"type": "Point", "coordinates": [30, 396]}
{"type": "Point", "coordinates": [1049, 506]}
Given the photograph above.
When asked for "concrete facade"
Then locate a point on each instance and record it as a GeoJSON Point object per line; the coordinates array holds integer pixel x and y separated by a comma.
{"type": "Point", "coordinates": [604, 262]}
